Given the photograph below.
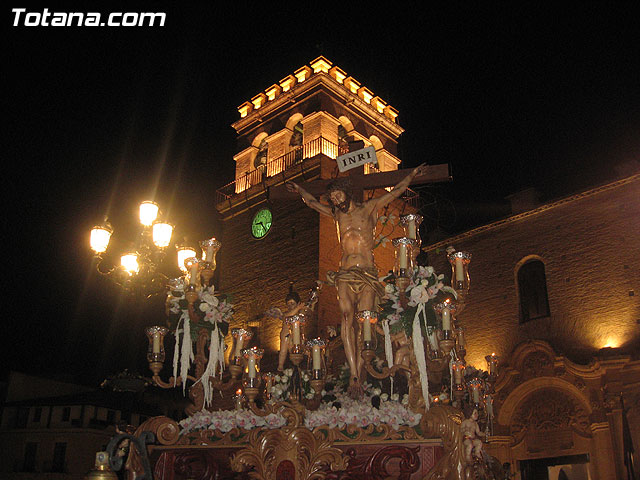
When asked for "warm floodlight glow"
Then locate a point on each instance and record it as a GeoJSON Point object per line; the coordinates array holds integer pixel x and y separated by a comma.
{"type": "Point", "coordinates": [162, 234]}
{"type": "Point", "coordinates": [612, 342]}
{"type": "Point", "coordinates": [130, 262]}
{"type": "Point", "coordinates": [100, 237]}
{"type": "Point", "coordinates": [148, 213]}
{"type": "Point", "coordinates": [183, 254]}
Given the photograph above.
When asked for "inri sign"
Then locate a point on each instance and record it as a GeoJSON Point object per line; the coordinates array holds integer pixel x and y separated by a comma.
{"type": "Point", "coordinates": [355, 159]}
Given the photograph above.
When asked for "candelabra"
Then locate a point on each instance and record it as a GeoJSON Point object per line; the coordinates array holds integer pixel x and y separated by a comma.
{"type": "Point", "coordinates": [415, 287]}
{"type": "Point", "coordinates": [138, 269]}
{"type": "Point", "coordinates": [198, 315]}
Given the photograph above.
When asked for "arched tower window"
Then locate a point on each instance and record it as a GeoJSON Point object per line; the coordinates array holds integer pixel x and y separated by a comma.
{"type": "Point", "coordinates": [261, 157]}
{"type": "Point", "coordinates": [532, 290]}
{"type": "Point", "coordinates": [297, 137]}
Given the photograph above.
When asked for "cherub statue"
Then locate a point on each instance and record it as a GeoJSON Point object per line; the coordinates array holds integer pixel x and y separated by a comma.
{"type": "Point", "coordinates": [294, 307]}
{"type": "Point", "coordinates": [471, 432]}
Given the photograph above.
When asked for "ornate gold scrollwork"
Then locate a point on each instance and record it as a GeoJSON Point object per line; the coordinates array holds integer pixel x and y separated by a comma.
{"type": "Point", "coordinates": [296, 446]}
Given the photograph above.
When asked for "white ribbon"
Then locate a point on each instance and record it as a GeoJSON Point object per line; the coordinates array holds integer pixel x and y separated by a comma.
{"type": "Point", "coordinates": [210, 371]}
{"type": "Point", "coordinates": [186, 352]}
{"type": "Point", "coordinates": [176, 353]}
{"type": "Point", "coordinates": [388, 348]}
{"type": "Point", "coordinates": [453, 356]}
{"type": "Point", "coordinates": [418, 350]}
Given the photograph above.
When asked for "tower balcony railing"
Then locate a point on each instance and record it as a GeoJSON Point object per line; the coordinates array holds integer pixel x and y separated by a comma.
{"type": "Point", "coordinates": [283, 162]}
{"type": "Point", "coordinates": [277, 165]}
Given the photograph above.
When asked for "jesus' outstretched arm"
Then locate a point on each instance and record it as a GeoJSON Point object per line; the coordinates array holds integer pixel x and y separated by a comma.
{"type": "Point", "coordinates": [398, 189]}
{"type": "Point", "coordinates": [309, 199]}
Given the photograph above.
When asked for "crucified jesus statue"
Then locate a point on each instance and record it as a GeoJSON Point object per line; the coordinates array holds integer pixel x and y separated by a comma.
{"type": "Point", "coordinates": [357, 280]}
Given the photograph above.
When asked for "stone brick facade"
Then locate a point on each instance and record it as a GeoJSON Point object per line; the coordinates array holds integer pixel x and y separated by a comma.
{"type": "Point", "coordinates": [590, 246]}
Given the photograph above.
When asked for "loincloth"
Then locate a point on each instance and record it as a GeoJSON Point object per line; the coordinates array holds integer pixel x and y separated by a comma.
{"type": "Point", "coordinates": [357, 278]}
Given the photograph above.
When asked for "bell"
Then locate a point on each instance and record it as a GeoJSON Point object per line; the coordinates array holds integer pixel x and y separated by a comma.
{"type": "Point", "coordinates": [101, 470]}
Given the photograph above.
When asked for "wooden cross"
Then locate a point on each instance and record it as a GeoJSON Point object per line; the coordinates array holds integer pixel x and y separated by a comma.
{"type": "Point", "coordinates": [360, 181]}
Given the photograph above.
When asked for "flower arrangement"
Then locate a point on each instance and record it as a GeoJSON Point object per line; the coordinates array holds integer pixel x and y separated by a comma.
{"type": "Point", "coordinates": [281, 389]}
{"type": "Point", "coordinates": [424, 286]}
{"type": "Point", "coordinates": [337, 410]}
{"type": "Point", "coordinates": [210, 309]}
{"type": "Point", "coordinates": [345, 411]}
{"type": "Point", "coordinates": [226, 420]}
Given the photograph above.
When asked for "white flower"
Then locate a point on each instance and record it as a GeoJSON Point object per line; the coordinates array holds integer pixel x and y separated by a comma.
{"type": "Point", "coordinates": [289, 371]}
{"type": "Point", "coordinates": [419, 294]}
{"type": "Point", "coordinates": [389, 288]}
{"type": "Point", "coordinates": [395, 397]}
{"type": "Point", "coordinates": [205, 307]}
{"type": "Point", "coordinates": [384, 397]}
{"type": "Point", "coordinates": [284, 379]}
{"type": "Point", "coordinates": [210, 299]}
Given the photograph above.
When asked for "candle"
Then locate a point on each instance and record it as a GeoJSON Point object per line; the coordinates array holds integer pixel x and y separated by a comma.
{"type": "Point", "coordinates": [252, 367]}
{"type": "Point", "coordinates": [459, 270]}
{"type": "Point", "coordinates": [411, 228]}
{"type": "Point", "coordinates": [457, 376]}
{"type": "Point", "coordinates": [238, 399]}
{"type": "Point", "coordinates": [366, 329]}
{"type": "Point", "coordinates": [476, 394]}
{"type": "Point", "coordinates": [296, 332]}
{"type": "Point", "coordinates": [446, 318]}
{"type": "Point", "coordinates": [402, 255]}
{"type": "Point", "coordinates": [317, 363]}
{"type": "Point", "coordinates": [156, 343]}
{"type": "Point", "coordinates": [193, 274]}
{"type": "Point", "coordinates": [461, 340]}
{"type": "Point", "coordinates": [489, 403]}
{"type": "Point", "coordinates": [433, 341]}
{"type": "Point", "coordinates": [239, 345]}
{"type": "Point", "coordinates": [209, 253]}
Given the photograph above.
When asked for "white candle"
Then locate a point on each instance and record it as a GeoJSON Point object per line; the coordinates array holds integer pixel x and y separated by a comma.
{"type": "Point", "coordinates": [411, 229]}
{"type": "Point", "coordinates": [461, 340]}
{"type": "Point", "coordinates": [446, 319]}
{"type": "Point", "coordinates": [239, 345]}
{"type": "Point", "coordinates": [459, 270]}
{"type": "Point", "coordinates": [193, 275]}
{"type": "Point", "coordinates": [489, 402]}
{"type": "Point", "coordinates": [433, 341]}
{"type": "Point", "coordinates": [238, 399]}
{"type": "Point", "coordinates": [317, 363]}
{"type": "Point", "coordinates": [209, 253]}
{"type": "Point", "coordinates": [476, 394]}
{"type": "Point", "coordinates": [457, 375]}
{"type": "Point", "coordinates": [156, 343]}
{"type": "Point", "coordinates": [252, 367]}
{"type": "Point", "coordinates": [366, 329]}
{"type": "Point", "coordinates": [296, 333]}
{"type": "Point", "coordinates": [402, 255]}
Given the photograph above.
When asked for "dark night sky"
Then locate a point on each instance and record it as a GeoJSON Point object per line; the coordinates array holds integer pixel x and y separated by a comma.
{"type": "Point", "coordinates": [99, 119]}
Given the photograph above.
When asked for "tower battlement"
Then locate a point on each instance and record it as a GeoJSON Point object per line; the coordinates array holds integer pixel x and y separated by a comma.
{"type": "Point", "coordinates": [294, 84]}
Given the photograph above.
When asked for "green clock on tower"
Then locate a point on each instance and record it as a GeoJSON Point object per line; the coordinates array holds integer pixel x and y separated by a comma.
{"type": "Point", "coordinates": [261, 223]}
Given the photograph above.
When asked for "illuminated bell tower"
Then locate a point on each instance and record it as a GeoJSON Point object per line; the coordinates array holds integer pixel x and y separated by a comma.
{"type": "Point", "coordinates": [294, 130]}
